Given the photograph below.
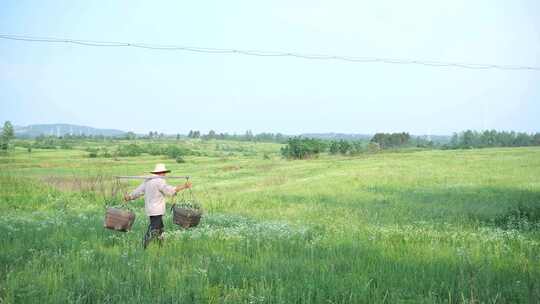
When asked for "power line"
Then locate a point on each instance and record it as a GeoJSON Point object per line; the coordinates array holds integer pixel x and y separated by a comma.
{"type": "Point", "coordinates": [260, 53]}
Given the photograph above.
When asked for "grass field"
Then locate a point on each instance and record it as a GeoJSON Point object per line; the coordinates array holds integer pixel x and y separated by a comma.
{"type": "Point", "coordinates": [460, 226]}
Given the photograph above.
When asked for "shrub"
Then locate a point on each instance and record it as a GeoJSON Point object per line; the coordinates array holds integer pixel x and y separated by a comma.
{"type": "Point", "coordinates": [345, 147]}
{"type": "Point", "coordinates": [357, 147]}
{"type": "Point", "coordinates": [154, 149]}
{"type": "Point", "coordinates": [24, 144]}
{"type": "Point", "coordinates": [65, 146]}
{"type": "Point", "coordinates": [173, 152]}
{"type": "Point", "coordinates": [521, 217]}
{"type": "Point", "coordinates": [105, 153]}
{"type": "Point", "coordinates": [170, 151]}
{"type": "Point", "coordinates": [43, 142]}
{"type": "Point", "coordinates": [302, 148]}
{"type": "Point", "coordinates": [129, 150]}
{"type": "Point", "coordinates": [373, 147]}
{"type": "Point", "coordinates": [180, 159]}
{"type": "Point", "coordinates": [391, 140]}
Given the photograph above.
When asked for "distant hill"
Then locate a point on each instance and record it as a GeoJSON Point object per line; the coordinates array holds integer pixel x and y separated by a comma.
{"type": "Point", "coordinates": [63, 129]}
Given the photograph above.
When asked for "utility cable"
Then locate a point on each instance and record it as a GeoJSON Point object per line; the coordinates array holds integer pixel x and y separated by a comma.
{"type": "Point", "coordinates": [260, 53]}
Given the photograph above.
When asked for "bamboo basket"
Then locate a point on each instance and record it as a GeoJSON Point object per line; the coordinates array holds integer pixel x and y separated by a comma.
{"type": "Point", "coordinates": [119, 219]}
{"type": "Point", "coordinates": [186, 217]}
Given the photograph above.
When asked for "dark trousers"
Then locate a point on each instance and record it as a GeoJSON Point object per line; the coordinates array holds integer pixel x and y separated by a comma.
{"type": "Point", "coordinates": [155, 230]}
{"type": "Point", "coordinates": [156, 223]}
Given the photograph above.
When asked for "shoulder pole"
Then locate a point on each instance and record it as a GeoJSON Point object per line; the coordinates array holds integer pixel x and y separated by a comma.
{"type": "Point", "coordinates": [152, 177]}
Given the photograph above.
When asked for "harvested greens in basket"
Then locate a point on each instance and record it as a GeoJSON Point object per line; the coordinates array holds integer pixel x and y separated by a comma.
{"type": "Point", "coordinates": [187, 212]}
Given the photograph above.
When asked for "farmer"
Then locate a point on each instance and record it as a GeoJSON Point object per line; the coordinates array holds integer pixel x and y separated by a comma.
{"type": "Point", "coordinates": [155, 189]}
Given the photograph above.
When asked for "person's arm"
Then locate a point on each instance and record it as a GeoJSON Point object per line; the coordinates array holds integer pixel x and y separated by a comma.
{"type": "Point", "coordinates": [185, 186]}
{"type": "Point", "coordinates": [170, 190]}
{"type": "Point", "coordinates": [138, 192]}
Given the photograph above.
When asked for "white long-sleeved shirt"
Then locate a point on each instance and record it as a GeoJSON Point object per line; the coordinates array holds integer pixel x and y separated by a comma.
{"type": "Point", "coordinates": [154, 190]}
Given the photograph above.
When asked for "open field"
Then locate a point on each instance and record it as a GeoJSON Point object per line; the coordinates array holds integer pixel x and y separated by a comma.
{"type": "Point", "coordinates": [456, 226]}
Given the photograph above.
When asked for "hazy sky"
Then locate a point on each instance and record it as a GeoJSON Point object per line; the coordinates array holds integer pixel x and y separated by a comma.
{"type": "Point", "coordinates": [175, 91]}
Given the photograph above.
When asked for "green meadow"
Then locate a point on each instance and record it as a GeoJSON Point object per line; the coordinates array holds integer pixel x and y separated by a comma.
{"type": "Point", "coordinates": [409, 226]}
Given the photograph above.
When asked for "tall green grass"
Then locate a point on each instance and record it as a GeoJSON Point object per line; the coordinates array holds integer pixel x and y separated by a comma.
{"type": "Point", "coordinates": [422, 227]}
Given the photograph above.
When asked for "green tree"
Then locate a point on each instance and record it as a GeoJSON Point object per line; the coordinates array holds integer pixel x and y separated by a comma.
{"type": "Point", "coordinates": [8, 133]}
{"type": "Point", "coordinates": [454, 142]}
{"type": "Point", "coordinates": [391, 140]}
{"type": "Point", "coordinates": [536, 139]}
{"type": "Point", "coordinates": [130, 135]}
{"type": "Point", "coordinates": [334, 147]}
{"type": "Point", "coordinates": [357, 147]}
{"type": "Point", "coordinates": [211, 134]}
{"type": "Point", "coordinates": [344, 147]}
{"type": "Point", "coordinates": [302, 148]}
{"type": "Point", "coordinates": [522, 140]}
{"type": "Point", "coordinates": [467, 139]}
{"type": "Point", "coordinates": [248, 136]}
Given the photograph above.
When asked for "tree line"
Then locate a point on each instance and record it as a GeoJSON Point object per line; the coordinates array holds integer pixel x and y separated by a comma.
{"type": "Point", "coordinates": [296, 147]}
{"type": "Point", "coordinates": [132, 150]}
{"type": "Point", "coordinates": [248, 136]}
{"type": "Point", "coordinates": [492, 138]}
{"type": "Point", "coordinates": [391, 140]}
{"type": "Point", "coordinates": [302, 148]}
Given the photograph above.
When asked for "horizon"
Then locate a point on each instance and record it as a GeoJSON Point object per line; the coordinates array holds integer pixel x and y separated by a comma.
{"type": "Point", "coordinates": [175, 91]}
{"type": "Point", "coordinates": [270, 132]}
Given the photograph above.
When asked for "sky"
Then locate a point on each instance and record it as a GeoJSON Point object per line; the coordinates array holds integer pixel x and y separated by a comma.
{"type": "Point", "coordinates": [175, 91]}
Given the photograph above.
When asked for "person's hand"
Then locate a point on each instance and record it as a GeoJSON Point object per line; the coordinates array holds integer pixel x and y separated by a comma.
{"type": "Point", "coordinates": [185, 186]}
{"type": "Point", "coordinates": [127, 198]}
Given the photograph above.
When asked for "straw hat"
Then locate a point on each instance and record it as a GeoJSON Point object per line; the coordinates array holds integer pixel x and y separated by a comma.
{"type": "Point", "coordinates": [160, 168]}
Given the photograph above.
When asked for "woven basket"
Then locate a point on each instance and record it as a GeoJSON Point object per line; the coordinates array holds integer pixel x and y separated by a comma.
{"type": "Point", "coordinates": [186, 217]}
{"type": "Point", "coordinates": [119, 219]}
